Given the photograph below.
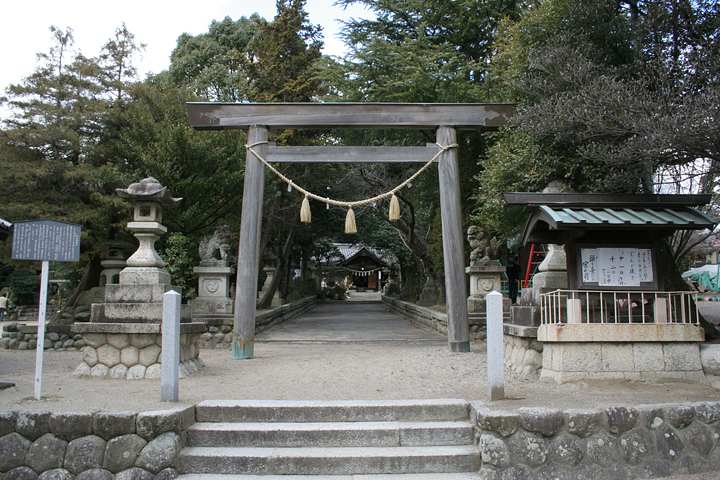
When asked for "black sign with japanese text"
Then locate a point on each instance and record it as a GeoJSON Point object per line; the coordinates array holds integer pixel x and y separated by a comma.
{"type": "Point", "coordinates": [46, 240]}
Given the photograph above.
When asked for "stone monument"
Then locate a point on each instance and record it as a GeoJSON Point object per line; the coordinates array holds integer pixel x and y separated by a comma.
{"type": "Point", "coordinates": [213, 304]}
{"type": "Point", "coordinates": [124, 335]}
{"type": "Point", "coordinates": [428, 296]}
{"type": "Point", "coordinates": [485, 270]}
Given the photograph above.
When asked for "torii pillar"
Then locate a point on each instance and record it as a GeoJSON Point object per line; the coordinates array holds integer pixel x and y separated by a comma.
{"type": "Point", "coordinates": [453, 252]}
{"type": "Point", "coordinates": [257, 118]}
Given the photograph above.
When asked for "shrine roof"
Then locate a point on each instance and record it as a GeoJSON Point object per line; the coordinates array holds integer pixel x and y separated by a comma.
{"type": "Point", "coordinates": [552, 215]}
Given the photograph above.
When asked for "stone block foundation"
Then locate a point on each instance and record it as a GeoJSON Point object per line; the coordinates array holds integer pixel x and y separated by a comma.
{"type": "Point", "coordinates": [570, 361]}
{"type": "Point", "coordinates": [523, 354]}
{"type": "Point", "coordinates": [121, 352]}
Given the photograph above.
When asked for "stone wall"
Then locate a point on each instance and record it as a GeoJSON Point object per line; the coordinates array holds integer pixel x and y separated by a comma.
{"type": "Point", "coordinates": [16, 336]}
{"type": "Point", "coordinates": [523, 354]}
{"type": "Point", "coordinates": [427, 316]}
{"type": "Point", "coordinates": [433, 318]}
{"type": "Point", "coordinates": [222, 337]}
{"type": "Point", "coordinates": [614, 442]}
{"type": "Point", "coordinates": [92, 446]}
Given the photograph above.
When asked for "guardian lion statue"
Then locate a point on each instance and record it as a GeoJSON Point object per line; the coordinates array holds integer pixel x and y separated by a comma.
{"type": "Point", "coordinates": [218, 243]}
{"type": "Point", "coordinates": [484, 247]}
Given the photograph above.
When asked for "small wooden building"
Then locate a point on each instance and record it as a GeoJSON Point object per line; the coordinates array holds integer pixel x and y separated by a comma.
{"type": "Point", "coordinates": [615, 319]}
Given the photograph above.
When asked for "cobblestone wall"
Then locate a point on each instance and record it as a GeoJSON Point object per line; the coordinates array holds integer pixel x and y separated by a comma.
{"type": "Point", "coordinates": [92, 446]}
{"type": "Point", "coordinates": [20, 337]}
{"type": "Point", "coordinates": [523, 354]}
{"type": "Point", "coordinates": [615, 442]}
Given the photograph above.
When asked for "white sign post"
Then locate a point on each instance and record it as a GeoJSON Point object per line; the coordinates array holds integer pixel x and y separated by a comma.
{"type": "Point", "coordinates": [45, 240]}
{"type": "Point", "coordinates": [495, 357]}
{"type": "Point", "coordinates": [170, 370]}
{"type": "Point", "coordinates": [41, 328]}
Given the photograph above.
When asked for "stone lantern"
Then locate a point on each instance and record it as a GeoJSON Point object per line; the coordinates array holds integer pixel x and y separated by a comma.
{"type": "Point", "coordinates": [124, 335]}
{"type": "Point", "coordinates": [148, 197]}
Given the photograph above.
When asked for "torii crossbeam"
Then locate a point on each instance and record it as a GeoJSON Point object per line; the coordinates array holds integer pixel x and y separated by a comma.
{"type": "Point", "coordinates": [258, 118]}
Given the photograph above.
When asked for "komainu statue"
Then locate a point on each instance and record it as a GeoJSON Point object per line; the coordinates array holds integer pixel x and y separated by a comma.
{"type": "Point", "coordinates": [484, 247]}
{"type": "Point", "coordinates": [218, 243]}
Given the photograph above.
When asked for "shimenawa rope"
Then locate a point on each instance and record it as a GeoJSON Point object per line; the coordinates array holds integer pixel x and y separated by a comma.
{"type": "Point", "coordinates": [350, 226]}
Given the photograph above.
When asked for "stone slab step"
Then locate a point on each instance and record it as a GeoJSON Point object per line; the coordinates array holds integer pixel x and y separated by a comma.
{"type": "Point", "coordinates": [329, 461]}
{"type": "Point", "coordinates": [331, 411]}
{"type": "Point", "coordinates": [399, 476]}
{"type": "Point", "coordinates": [339, 434]}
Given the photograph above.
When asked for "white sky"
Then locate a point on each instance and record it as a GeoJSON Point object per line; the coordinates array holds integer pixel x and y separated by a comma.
{"type": "Point", "coordinates": [24, 26]}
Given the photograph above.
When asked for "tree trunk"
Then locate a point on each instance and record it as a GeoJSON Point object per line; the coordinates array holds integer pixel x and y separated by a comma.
{"type": "Point", "coordinates": [90, 279]}
{"type": "Point", "coordinates": [266, 300]}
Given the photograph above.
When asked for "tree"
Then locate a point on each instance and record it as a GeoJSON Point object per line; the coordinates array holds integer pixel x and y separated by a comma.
{"type": "Point", "coordinates": [286, 50]}
{"type": "Point", "coordinates": [57, 110]}
{"type": "Point", "coordinates": [418, 51]}
{"type": "Point", "coordinates": [50, 150]}
{"type": "Point", "coordinates": [214, 65]}
{"type": "Point", "coordinates": [628, 110]}
{"type": "Point", "coordinates": [247, 60]}
{"type": "Point", "coordinates": [116, 61]}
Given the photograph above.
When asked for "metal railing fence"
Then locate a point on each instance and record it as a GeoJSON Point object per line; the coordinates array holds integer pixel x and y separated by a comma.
{"type": "Point", "coordinates": [607, 307]}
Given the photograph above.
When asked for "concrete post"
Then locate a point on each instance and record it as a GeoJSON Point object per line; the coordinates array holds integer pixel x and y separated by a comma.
{"type": "Point", "coordinates": [458, 331]}
{"type": "Point", "coordinates": [495, 357]}
{"type": "Point", "coordinates": [248, 262]}
{"type": "Point", "coordinates": [170, 370]}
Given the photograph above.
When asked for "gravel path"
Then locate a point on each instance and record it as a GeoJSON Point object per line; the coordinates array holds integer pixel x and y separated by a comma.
{"type": "Point", "coordinates": [346, 351]}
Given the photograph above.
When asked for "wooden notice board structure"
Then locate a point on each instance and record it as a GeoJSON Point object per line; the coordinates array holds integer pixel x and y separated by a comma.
{"type": "Point", "coordinates": [258, 118]}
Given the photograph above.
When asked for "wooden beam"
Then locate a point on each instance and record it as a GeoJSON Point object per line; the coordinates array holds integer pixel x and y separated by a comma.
{"type": "Point", "coordinates": [220, 116]}
{"type": "Point", "coordinates": [248, 249]}
{"type": "Point", "coordinates": [458, 332]}
{"type": "Point", "coordinates": [351, 154]}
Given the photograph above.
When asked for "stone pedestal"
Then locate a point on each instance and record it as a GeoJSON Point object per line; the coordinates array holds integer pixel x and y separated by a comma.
{"type": "Point", "coordinates": [213, 292]}
{"type": "Point", "coordinates": [133, 351]}
{"type": "Point", "coordinates": [485, 277]}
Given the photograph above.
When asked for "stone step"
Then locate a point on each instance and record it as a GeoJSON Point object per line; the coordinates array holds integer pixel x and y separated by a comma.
{"type": "Point", "coordinates": [332, 411]}
{"type": "Point", "coordinates": [397, 476]}
{"type": "Point", "coordinates": [339, 434]}
{"type": "Point", "coordinates": [330, 461]}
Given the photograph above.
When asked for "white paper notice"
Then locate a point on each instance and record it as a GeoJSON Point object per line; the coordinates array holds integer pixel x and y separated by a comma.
{"type": "Point", "coordinates": [616, 267]}
{"type": "Point", "coordinates": [589, 265]}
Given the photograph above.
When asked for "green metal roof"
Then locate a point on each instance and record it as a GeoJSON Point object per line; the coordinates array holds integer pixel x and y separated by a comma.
{"type": "Point", "coordinates": [550, 215]}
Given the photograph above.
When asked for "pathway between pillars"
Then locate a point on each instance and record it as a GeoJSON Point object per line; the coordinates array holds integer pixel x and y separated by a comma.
{"type": "Point", "coordinates": [351, 322]}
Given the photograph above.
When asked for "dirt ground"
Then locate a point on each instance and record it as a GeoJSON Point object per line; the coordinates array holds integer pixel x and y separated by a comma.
{"type": "Point", "coordinates": [325, 371]}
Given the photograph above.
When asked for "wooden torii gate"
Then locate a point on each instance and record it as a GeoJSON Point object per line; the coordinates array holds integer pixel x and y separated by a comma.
{"type": "Point", "coordinates": [258, 118]}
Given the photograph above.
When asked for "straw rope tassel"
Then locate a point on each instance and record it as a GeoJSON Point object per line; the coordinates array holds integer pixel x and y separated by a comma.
{"type": "Point", "coordinates": [305, 211]}
{"type": "Point", "coordinates": [350, 222]}
{"type": "Point", "coordinates": [394, 208]}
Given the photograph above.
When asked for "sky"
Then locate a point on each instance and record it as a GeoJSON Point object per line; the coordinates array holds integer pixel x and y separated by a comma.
{"type": "Point", "coordinates": [24, 27]}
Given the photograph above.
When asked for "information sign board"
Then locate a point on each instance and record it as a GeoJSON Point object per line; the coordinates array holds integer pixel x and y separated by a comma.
{"type": "Point", "coordinates": [46, 240]}
{"type": "Point", "coordinates": [616, 267]}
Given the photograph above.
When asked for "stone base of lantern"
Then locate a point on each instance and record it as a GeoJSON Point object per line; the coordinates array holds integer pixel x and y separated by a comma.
{"type": "Point", "coordinates": [135, 303]}
{"type": "Point", "coordinates": [134, 351]}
